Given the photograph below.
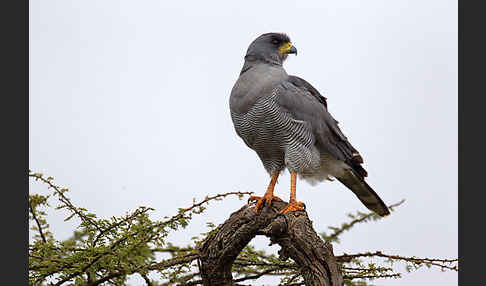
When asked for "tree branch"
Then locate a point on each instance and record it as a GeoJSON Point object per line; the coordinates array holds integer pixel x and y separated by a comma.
{"type": "Point", "coordinates": [292, 231]}
{"type": "Point", "coordinates": [363, 218]}
{"type": "Point", "coordinates": [106, 278]}
{"type": "Point", "coordinates": [39, 227]}
{"type": "Point", "coordinates": [64, 199]}
{"type": "Point", "coordinates": [432, 261]}
{"type": "Point", "coordinates": [182, 212]}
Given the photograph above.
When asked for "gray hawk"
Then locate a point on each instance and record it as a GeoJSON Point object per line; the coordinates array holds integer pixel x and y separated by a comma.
{"type": "Point", "coordinates": [285, 120]}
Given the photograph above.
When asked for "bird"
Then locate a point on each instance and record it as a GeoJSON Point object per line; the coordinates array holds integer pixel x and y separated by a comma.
{"type": "Point", "coordinates": [286, 121]}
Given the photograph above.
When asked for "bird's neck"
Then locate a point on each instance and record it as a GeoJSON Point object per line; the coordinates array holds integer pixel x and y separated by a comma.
{"type": "Point", "coordinates": [252, 61]}
{"type": "Point", "coordinates": [260, 70]}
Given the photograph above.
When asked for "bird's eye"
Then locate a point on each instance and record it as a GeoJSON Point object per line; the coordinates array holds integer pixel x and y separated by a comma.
{"type": "Point", "coordinates": [275, 42]}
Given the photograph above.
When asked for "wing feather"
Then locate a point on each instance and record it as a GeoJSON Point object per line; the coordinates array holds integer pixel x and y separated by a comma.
{"type": "Point", "coordinates": [304, 102]}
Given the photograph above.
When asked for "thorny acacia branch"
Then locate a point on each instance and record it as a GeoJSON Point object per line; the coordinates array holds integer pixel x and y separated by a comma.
{"type": "Point", "coordinates": [48, 257]}
{"type": "Point", "coordinates": [39, 226]}
{"type": "Point", "coordinates": [442, 263]}
{"type": "Point", "coordinates": [60, 192]}
{"type": "Point", "coordinates": [59, 256]}
{"type": "Point", "coordinates": [361, 218]}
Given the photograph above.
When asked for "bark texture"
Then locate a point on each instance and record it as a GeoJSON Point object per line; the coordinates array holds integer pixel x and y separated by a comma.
{"type": "Point", "coordinates": [292, 231]}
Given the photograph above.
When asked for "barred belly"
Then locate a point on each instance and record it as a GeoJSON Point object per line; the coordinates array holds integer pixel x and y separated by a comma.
{"type": "Point", "coordinates": [279, 140]}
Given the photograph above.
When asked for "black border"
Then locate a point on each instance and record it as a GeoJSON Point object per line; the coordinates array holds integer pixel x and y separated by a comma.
{"type": "Point", "coordinates": [471, 145]}
{"type": "Point", "coordinates": [460, 186]}
{"type": "Point", "coordinates": [14, 117]}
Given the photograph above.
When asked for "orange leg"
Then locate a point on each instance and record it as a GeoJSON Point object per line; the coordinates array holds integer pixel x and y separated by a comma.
{"type": "Point", "coordinates": [293, 205]}
{"type": "Point", "coordinates": [268, 196]}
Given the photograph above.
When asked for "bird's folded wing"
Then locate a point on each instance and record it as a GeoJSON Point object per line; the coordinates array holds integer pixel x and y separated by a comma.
{"type": "Point", "coordinates": [303, 102]}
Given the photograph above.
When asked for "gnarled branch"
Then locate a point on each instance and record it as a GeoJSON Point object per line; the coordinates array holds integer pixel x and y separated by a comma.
{"type": "Point", "coordinates": [292, 231]}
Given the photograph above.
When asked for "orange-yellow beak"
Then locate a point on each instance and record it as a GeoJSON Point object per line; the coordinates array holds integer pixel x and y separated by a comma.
{"type": "Point", "coordinates": [287, 48]}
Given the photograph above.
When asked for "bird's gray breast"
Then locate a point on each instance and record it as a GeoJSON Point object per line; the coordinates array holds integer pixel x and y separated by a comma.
{"type": "Point", "coordinates": [279, 140]}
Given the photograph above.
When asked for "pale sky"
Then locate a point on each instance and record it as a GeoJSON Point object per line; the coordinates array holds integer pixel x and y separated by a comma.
{"type": "Point", "coordinates": [129, 107]}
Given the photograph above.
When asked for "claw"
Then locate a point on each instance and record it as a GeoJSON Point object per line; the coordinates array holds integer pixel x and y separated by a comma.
{"type": "Point", "coordinates": [262, 200]}
{"type": "Point", "coordinates": [293, 206]}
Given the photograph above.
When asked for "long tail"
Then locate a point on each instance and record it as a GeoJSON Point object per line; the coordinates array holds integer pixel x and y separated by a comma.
{"type": "Point", "coordinates": [364, 193]}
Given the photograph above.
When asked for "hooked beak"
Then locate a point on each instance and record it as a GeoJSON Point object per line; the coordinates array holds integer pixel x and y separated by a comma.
{"type": "Point", "coordinates": [287, 48]}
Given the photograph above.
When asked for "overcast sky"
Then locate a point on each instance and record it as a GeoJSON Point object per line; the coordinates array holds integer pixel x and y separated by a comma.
{"type": "Point", "coordinates": [129, 107]}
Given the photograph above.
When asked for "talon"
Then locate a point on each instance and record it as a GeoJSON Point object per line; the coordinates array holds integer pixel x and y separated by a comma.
{"type": "Point", "coordinates": [293, 206]}
{"type": "Point", "coordinates": [265, 199]}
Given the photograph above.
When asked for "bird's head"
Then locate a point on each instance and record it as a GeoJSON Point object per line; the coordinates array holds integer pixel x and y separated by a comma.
{"type": "Point", "coordinates": [270, 47]}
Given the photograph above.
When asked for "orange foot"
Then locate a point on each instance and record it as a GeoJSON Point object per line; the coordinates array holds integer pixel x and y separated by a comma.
{"type": "Point", "coordinates": [292, 207]}
{"type": "Point", "coordinates": [260, 200]}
